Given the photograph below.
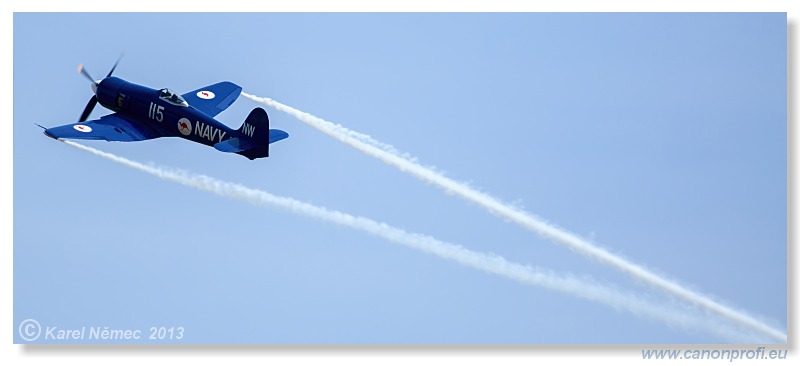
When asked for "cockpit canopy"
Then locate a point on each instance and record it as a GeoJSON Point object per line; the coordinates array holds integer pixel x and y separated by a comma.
{"type": "Point", "coordinates": [172, 97]}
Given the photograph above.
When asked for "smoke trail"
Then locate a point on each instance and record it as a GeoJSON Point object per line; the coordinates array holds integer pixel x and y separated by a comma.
{"type": "Point", "coordinates": [487, 262]}
{"type": "Point", "coordinates": [518, 216]}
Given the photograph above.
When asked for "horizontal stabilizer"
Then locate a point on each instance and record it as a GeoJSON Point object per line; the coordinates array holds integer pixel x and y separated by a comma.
{"type": "Point", "coordinates": [233, 145]}
{"type": "Point", "coordinates": [277, 135]}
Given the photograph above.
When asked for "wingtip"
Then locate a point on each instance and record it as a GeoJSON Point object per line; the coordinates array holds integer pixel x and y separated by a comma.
{"type": "Point", "coordinates": [51, 136]}
{"type": "Point", "coordinates": [47, 133]}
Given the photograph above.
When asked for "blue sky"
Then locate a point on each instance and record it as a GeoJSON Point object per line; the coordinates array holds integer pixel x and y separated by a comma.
{"type": "Point", "coordinates": [660, 136]}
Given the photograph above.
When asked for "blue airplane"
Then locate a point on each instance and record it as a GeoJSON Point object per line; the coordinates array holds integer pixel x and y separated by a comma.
{"type": "Point", "coordinates": [142, 113]}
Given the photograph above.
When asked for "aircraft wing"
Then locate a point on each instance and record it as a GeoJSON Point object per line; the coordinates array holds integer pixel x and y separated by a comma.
{"type": "Point", "coordinates": [213, 99]}
{"type": "Point", "coordinates": [110, 128]}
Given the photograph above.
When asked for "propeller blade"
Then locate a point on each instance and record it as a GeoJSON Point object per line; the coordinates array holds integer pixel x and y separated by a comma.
{"type": "Point", "coordinates": [115, 65]}
{"type": "Point", "coordinates": [88, 109]}
{"type": "Point", "coordinates": [85, 73]}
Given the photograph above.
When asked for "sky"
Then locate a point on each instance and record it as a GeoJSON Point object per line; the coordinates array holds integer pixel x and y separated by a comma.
{"type": "Point", "coordinates": [660, 137]}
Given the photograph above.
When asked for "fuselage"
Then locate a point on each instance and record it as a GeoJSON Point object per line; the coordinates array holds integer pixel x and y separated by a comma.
{"type": "Point", "coordinates": [161, 111]}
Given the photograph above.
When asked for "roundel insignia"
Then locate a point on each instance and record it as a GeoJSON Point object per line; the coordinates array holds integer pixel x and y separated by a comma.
{"type": "Point", "coordinates": [82, 128]}
{"type": "Point", "coordinates": [205, 94]}
{"type": "Point", "coordinates": [185, 126]}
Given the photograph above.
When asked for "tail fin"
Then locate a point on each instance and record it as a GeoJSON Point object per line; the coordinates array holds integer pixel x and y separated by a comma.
{"type": "Point", "coordinates": [257, 136]}
{"type": "Point", "coordinates": [256, 125]}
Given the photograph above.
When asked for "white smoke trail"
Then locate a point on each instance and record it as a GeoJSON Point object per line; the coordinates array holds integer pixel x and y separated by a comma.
{"type": "Point", "coordinates": [524, 219]}
{"type": "Point", "coordinates": [487, 262]}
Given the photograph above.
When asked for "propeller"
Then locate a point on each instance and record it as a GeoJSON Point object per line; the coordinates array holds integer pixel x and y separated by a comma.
{"type": "Point", "coordinates": [88, 109]}
{"type": "Point", "coordinates": [86, 73]}
{"type": "Point", "coordinates": [115, 65]}
{"type": "Point", "coordinates": [93, 101]}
